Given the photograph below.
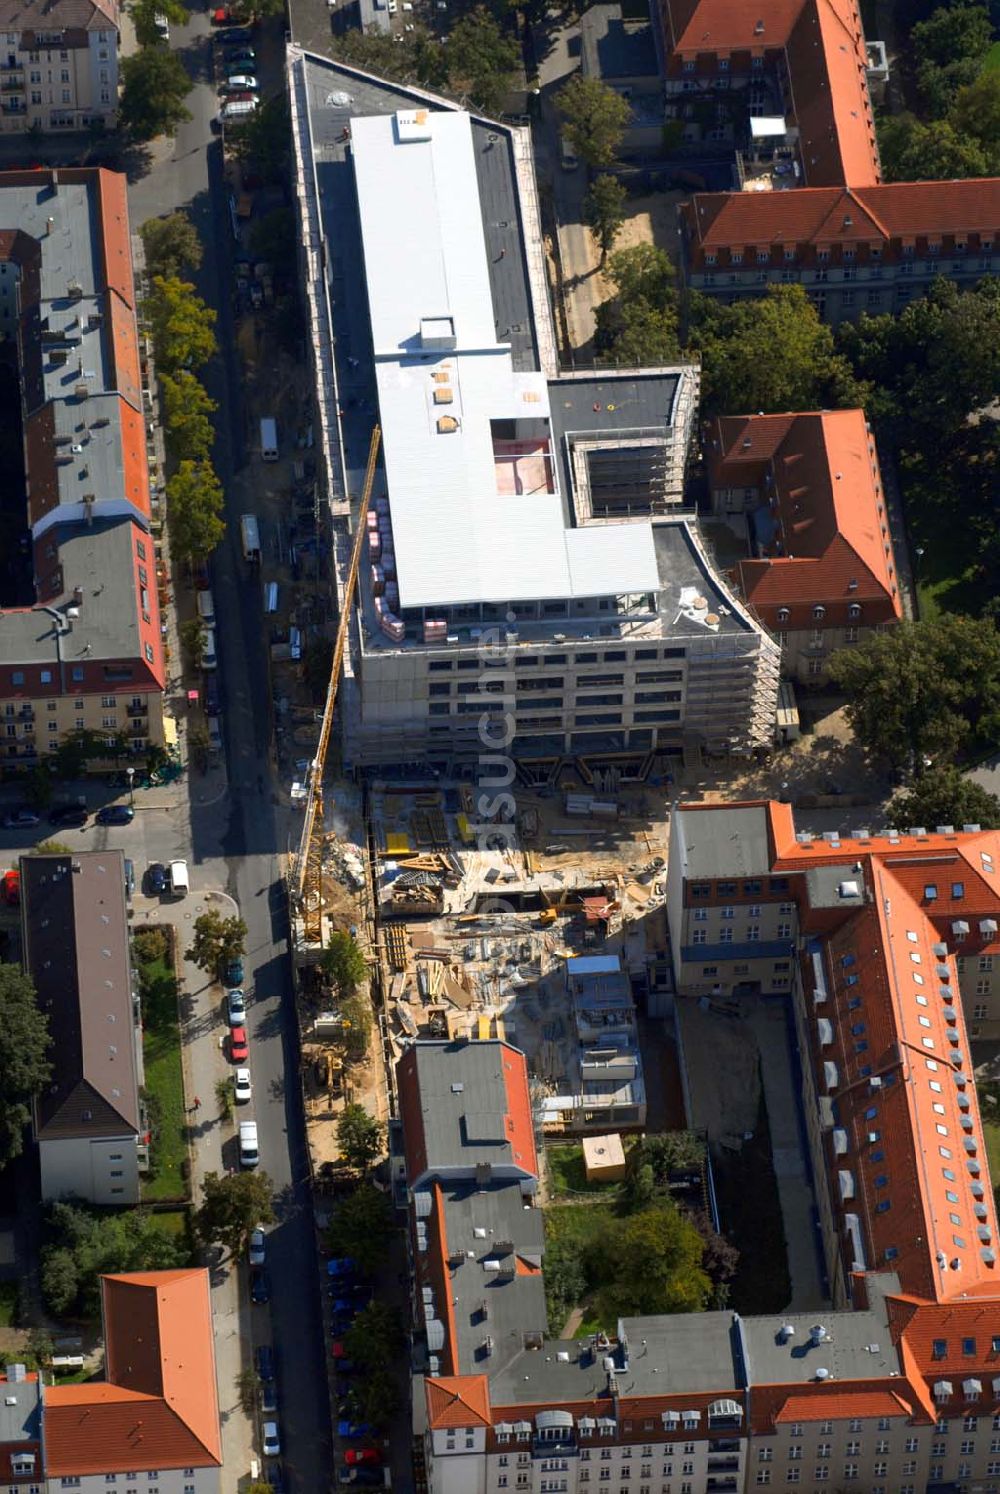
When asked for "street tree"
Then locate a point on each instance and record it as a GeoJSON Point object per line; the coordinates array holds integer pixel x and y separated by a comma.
{"type": "Point", "coordinates": [361, 1137]}
{"type": "Point", "coordinates": [912, 151]}
{"type": "Point", "coordinates": [199, 746]}
{"type": "Point", "coordinates": [922, 689]}
{"type": "Point", "coordinates": [192, 636]}
{"type": "Point", "coordinates": [649, 1262]}
{"type": "Point", "coordinates": [375, 1337]}
{"type": "Point", "coordinates": [233, 1206]}
{"type": "Point", "coordinates": [378, 1397]}
{"type": "Point", "coordinates": [155, 85]}
{"type": "Point", "coordinates": [180, 321]}
{"type": "Point", "coordinates": [362, 1228]}
{"type": "Point", "coordinates": [594, 118]}
{"type": "Point", "coordinates": [343, 964]}
{"type": "Point", "coordinates": [604, 212]}
{"type": "Point", "coordinates": [25, 1069]}
{"type": "Point", "coordinates": [481, 61]}
{"type": "Point", "coordinates": [76, 749]}
{"type": "Point", "coordinates": [195, 510]}
{"type": "Point", "coordinates": [944, 796]}
{"type": "Point", "coordinates": [216, 940]}
{"type": "Point", "coordinates": [638, 326]}
{"type": "Point", "coordinates": [264, 138]}
{"type": "Point", "coordinates": [171, 243]}
{"type": "Point", "coordinates": [768, 354]}
{"type": "Point", "coordinates": [187, 416]}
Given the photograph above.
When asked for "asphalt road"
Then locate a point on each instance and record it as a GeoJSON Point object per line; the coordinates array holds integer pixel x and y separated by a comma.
{"type": "Point", "coordinates": [233, 844]}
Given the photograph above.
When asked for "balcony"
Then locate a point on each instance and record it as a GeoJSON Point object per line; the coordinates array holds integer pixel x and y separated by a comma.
{"type": "Point", "coordinates": [724, 1464]}
{"type": "Point", "coordinates": [138, 710]}
{"type": "Point", "coordinates": [724, 1445]}
{"type": "Point", "coordinates": [721, 1485]}
{"type": "Point", "coordinates": [11, 84]}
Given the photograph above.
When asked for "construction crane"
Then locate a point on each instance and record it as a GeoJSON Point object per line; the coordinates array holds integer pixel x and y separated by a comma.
{"type": "Point", "coordinates": [307, 879]}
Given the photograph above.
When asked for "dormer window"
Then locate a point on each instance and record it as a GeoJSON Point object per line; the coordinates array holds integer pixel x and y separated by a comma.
{"type": "Point", "coordinates": [689, 67]}
{"type": "Point", "coordinates": [710, 259]}
{"type": "Point", "coordinates": [819, 612]}
{"type": "Point", "coordinates": [723, 64]}
{"type": "Point", "coordinates": [854, 609]}
{"type": "Point", "coordinates": [762, 256]}
{"type": "Point", "coordinates": [737, 256]}
{"type": "Point", "coordinates": [960, 246]}
{"type": "Point", "coordinates": [823, 255]}
{"type": "Point", "coordinates": [907, 251]}
{"type": "Point", "coordinates": [934, 248]}
{"type": "Point", "coordinates": [848, 254]}
{"type": "Point", "coordinates": [789, 256]}
{"type": "Point", "coordinates": [783, 614]}
{"type": "Point", "coordinates": [876, 251]}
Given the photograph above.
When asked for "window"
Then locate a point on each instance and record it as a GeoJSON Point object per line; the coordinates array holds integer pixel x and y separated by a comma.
{"type": "Point", "coordinates": [763, 1475]}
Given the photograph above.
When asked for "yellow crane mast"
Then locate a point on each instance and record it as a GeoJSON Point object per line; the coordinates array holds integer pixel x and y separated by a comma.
{"type": "Point", "coordinates": [307, 881]}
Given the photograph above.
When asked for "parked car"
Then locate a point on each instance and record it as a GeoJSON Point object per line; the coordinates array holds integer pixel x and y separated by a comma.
{"type": "Point", "coordinates": [250, 103]}
{"type": "Point", "coordinates": [242, 1087]}
{"type": "Point", "coordinates": [115, 814]}
{"type": "Point", "coordinates": [355, 1457]}
{"type": "Point", "coordinates": [240, 83]}
{"type": "Point", "coordinates": [353, 1429]}
{"type": "Point", "coordinates": [339, 1352]}
{"type": "Point", "coordinates": [342, 1306]}
{"type": "Point", "coordinates": [234, 35]}
{"type": "Point", "coordinates": [367, 1476]}
{"type": "Point", "coordinates": [239, 1048]}
{"type": "Point", "coordinates": [265, 1361]}
{"type": "Point", "coordinates": [258, 1246]}
{"type": "Point", "coordinates": [211, 695]}
{"type": "Point", "coordinates": [242, 61]}
{"type": "Point", "coordinates": [260, 1286]}
{"type": "Point", "coordinates": [276, 1478]}
{"type": "Point", "coordinates": [156, 878]}
{"type": "Point", "coordinates": [69, 816]}
{"type": "Point", "coordinates": [269, 1398]}
{"type": "Point", "coordinates": [340, 1266]}
{"type": "Point", "coordinates": [21, 818]}
{"type": "Point", "coordinates": [236, 1008]}
{"type": "Point", "coordinates": [221, 16]}
{"type": "Point", "coordinates": [232, 972]}
{"type": "Point", "coordinates": [270, 1439]}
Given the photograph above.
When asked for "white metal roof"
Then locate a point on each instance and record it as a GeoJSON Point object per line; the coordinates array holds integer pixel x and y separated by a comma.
{"type": "Point", "coordinates": [442, 377]}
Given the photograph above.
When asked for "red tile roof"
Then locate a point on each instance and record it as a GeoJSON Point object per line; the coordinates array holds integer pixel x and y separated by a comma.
{"type": "Point", "coordinates": [158, 1407]}
{"type": "Point", "coordinates": [458, 1401]}
{"type": "Point", "coordinates": [825, 493]}
{"type": "Point", "coordinates": [843, 1405]}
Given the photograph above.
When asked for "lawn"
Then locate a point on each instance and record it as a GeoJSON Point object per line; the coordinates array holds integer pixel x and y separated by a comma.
{"type": "Point", "coordinates": [8, 1303]}
{"type": "Point", "coordinates": [161, 1048]}
{"type": "Point", "coordinates": [576, 1225]}
{"type": "Point", "coordinates": [991, 1131]}
{"type": "Point", "coordinates": [992, 62]}
{"type": "Point", "coordinates": [567, 1173]}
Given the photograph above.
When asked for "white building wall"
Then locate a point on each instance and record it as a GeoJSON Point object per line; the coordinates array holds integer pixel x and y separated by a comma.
{"type": "Point", "coordinates": [104, 1171]}
{"type": "Point", "coordinates": [143, 1481]}
{"type": "Point", "coordinates": [456, 1461]}
{"type": "Point", "coordinates": [56, 87]}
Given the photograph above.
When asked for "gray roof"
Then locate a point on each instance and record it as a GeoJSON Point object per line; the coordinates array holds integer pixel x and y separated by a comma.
{"type": "Point", "coordinates": [690, 1351]}
{"type": "Point", "coordinates": [598, 405]}
{"type": "Point", "coordinates": [725, 842]}
{"type": "Point", "coordinates": [20, 1422]}
{"type": "Point", "coordinates": [825, 883]}
{"type": "Point", "coordinates": [514, 1305]}
{"type": "Point", "coordinates": [56, 15]}
{"type": "Point", "coordinates": [76, 950]}
{"type": "Point", "coordinates": [463, 1104]}
{"type": "Point", "coordinates": [857, 1345]}
{"type": "Point", "coordinates": [683, 568]}
{"type": "Point", "coordinates": [100, 559]}
{"type": "Point", "coordinates": [612, 49]}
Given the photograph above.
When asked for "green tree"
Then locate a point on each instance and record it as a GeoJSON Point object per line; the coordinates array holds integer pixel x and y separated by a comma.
{"type": "Point", "coordinates": [24, 1057]}
{"type": "Point", "coordinates": [595, 118]}
{"type": "Point", "coordinates": [949, 49]}
{"type": "Point", "coordinates": [481, 61]}
{"type": "Point", "coordinates": [565, 1281]}
{"type": "Point", "coordinates": [657, 1161]}
{"type": "Point", "coordinates": [637, 327]}
{"type": "Point", "coordinates": [187, 416]}
{"type": "Point", "coordinates": [604, 212]}
{"type": "Point", "coordinates": [199, 746]}
{"type": "Point", "coordinates": [91, 1245]}
{"type": "Point", "coordinates": [216, 940]}
{"type": "Point", "coordinates": [356, 1027]}
{"type": "Point", "coordinates": [246, 1389]}
{"type": "Point", "coordinates": [769, 354]}
{"type": "Point", "coordinates": [275, 238]}
{"type": "Point", "coordinates": [944, 796]}
{"type": "Point", "coordinates": [60, 1281]}
{"type": "Point", "coordinates": [416, 55]}
{"type": "Point", "coordinates": [343, 964]}
{"type": "Point", "coordinates": [51, 848]}
{"type": "Point", "coordinates": [233, 1206]}
{"type": "Point", "coordinates": [180, 321]}
{"type": "Point", "coordinates": [75, 751]}
{"type": "Point", "coordinates": [375, 1337]}
{"type": "Point", "coordinates": [378, 1397]}
{"type": "Point", "coordinates": [144, 14]}
{"type": "Point", "coordinates": [192, 636]}
{"type": "Point", "coordinates": [649, 1263]}
{"type": "Point", "coordinates": [922, 689]}
{"type": "Point", "coordinates": [911, 151]}
{"type": "Point", "coordinates": [264, 139]}
{"type": "Point", "coordinates": [155, 85]}
{"type": "Point", "coordinates": [362, 1228]}
{"type": "Point", "coordinates": [195, 510]}
{"type": "Point", "coordinates": [976, 113]}
{"type": "Point", "coordinates": [361, 1137]}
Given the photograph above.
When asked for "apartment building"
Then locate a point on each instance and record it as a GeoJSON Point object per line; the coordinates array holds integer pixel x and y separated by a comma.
{"type": "Point", "coordinates": [853, 249]}
{"type": "Point", "coordinates": [80, 613]}
{"type": "Point", "coordinates": [151, 1426]}
{"type": "Point", "coordinates": [527, 578]}
{"type": "Point", "coordinates": [605, 1088]}
{"type": "Point", "coordinates": [20, 1430]}
{"type": "Point", "coordinates": [58, 65]}
{"type": "Point", "coordinates": [88, 1123]}
{"type": "Point", "coordinates": [821, 574]}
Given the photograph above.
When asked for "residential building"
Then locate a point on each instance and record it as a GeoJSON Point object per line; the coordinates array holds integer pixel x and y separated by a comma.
{"type": "Point", "coordinates": [620, 51]}
{"type": "Point", "coordinates": [526, 565]}
{"type": "Point", "coordinates": [21, 1431]}
{"type": "Point", "coordinates": [606, 1089]}
{"type": "Point", "coordinates": [75, 935]}
{"type": "Point", "coordinates": [821, 573]}
{"type": "Point", "coordinates": [152, 1423]}
{"type": "Point", "coordinates": [80, 617]}
{"type": "Point", "coordinates": [853, 249]}
{"type": "Point", "coordinates": [58, 65]}
{"type": "Point", "coordinates": [896, 1386]}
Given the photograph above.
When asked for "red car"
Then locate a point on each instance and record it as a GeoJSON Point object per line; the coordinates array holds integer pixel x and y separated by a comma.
{"type": "Point", "coordinates": [239, 1049]}
{"type": "Point", "coordinates": [359, 1457]}
{"type": "Point", "coordinates": [222, 16]}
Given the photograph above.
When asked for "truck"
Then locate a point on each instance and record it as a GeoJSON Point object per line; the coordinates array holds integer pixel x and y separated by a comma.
{"type": "Point", "coordinates": [250, 536]}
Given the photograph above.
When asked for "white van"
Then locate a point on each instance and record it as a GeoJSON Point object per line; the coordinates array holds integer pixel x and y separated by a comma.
{"type": "Point", "coordinates": [249, 1155]}
{"type": "Point", "coordinates": [568, 158]}
{"type": "Point", "coordinates": [270, 596]}
{"type": "Point", "coordinates": [237, 110]}
{"type": "Point", "coordinates": [161, 26]}
{"type": "Point", "coordinates": [206, 606]}
{"type": "Point", "coordinates": [209, 657]}
{"type": "Point", "coordinates": [250, 537]}
{"type": "Point", "coordinates": [180, 886]}
{"type": "Point", "coordinates": [269, 439]}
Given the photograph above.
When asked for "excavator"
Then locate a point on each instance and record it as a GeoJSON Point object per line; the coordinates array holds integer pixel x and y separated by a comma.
{"type": "Point", "coordinates": [307, 874]}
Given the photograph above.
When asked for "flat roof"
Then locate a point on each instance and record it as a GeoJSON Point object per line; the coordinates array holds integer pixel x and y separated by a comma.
{"type": "Point", "coordinates": [612, 49]}
{"type": "Point", "coordinates": [731, 841]}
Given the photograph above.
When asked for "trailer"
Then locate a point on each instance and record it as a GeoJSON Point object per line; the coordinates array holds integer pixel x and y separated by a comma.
{"type": "Point", "coordinates": [250, 537]}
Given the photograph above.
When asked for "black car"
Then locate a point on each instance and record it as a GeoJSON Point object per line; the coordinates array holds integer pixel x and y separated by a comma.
{"type": "Point", "coordinates": [276, 1478]}
{"type": "Point", "coordinates": [234, 34]}
{"type": "Point", "coordinates": [156, 878]}
{"type": "Point", "coordinates": [20, 818]}
{"type": "Point", "coordinates": [116, 814]}
{"type": "Point", "coordinates": [260, 1287]}
{"type": "Point", "coordinates": [211, 695]}
{"type": "Point", "coordinates": [265, 1361]}
{"type": "Point", "coordinates": [69, 816]}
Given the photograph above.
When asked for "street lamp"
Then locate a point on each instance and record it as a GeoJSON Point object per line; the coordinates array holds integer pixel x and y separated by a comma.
{"type": "Point", "coordinates": [130, 775]}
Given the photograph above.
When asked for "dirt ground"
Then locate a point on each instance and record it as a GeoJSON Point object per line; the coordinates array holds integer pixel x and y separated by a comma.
{"type": "Point", "coordinates": [722, 1063]}
{"type": "Point", "coordinates": [652, 220]}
